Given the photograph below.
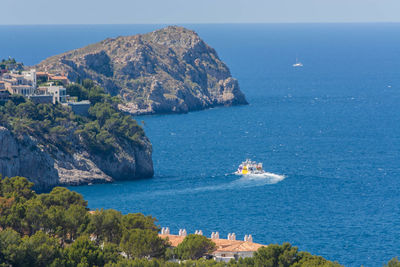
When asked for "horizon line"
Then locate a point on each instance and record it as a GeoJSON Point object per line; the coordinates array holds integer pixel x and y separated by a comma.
{"type": "Point", "coordinates": [203, 23]}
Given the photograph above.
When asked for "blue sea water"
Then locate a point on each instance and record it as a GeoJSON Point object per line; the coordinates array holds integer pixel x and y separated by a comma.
{"type": "Point", "coordinates": [332, 128]}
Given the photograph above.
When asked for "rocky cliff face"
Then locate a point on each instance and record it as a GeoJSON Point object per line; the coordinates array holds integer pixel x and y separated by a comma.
{"type": "Point", "coordinates": [25, 156]}
{"type": "Point", "coordinates": [166, 71]}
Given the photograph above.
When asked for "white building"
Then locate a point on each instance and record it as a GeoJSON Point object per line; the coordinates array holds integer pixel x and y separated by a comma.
{"type": "Point", "coordinates": [30, 76]}
{"type": "Point", "coordinates": [22, 89]}
{"type": "Point", "coordinates": [23, 84]}
{"type": "Point", "coordinates": [59, 93]}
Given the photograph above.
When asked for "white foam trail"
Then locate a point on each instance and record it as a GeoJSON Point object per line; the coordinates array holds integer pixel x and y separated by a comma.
{"type": "Point", "coordinates": [246, 181]}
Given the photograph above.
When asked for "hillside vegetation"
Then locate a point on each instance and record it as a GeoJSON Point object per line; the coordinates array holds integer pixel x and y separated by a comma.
{"type": "Point", "coordinates": [58, 127]}
{"type": "Point", "coordinates": [57, 229]}
{"type": "Point", "coordinates": [101, 147]}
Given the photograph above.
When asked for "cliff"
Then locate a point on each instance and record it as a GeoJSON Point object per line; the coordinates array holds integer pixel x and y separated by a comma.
{"type": "Point", "coordinates": [170, 70]}
{"type": "Point", "coordinates": [51, 146]}
{"type": "Point", "coordinates": [27, 157]}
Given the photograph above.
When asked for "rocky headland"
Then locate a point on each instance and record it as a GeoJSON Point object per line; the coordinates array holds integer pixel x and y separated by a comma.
{"type": "Point", "coordinates": [171, 70]}
{"type": "Point", "coordinates": [50, 145]}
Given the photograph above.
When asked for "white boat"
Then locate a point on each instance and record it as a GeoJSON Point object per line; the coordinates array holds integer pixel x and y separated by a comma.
{"type": "Point", "coordinates": [249, 167]}
{"type": "Point", "coordinates": [297, 64]}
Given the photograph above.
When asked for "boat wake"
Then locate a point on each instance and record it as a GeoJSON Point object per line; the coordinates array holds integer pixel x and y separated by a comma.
{"type": "Point", "coordinates": [245, 181]}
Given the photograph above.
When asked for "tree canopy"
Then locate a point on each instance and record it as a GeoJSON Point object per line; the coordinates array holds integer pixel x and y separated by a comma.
{"type": "Point", "coordinates": [393, 263]}
{"type": "Point", "coordinates": [10, 64]}
{"type": "Point", "coordinates": [194, 247]}
{"type": "Point", "coordinates": [57, 229]}
{"type": "Point", "coordinates": [55, 126]}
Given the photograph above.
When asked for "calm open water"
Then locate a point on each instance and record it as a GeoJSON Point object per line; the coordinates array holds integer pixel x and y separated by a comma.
{"type": "Point", "coordinates": [332, 128]}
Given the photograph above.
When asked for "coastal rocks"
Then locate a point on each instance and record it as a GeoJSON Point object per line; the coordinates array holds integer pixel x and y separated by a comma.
{"type": "Point", "coordinates": [78, 169]}
{"type": "Point", "coordinates": [170, 70]}
{"type": "Point", "coordinates": [129, 161]}
{"type": "Point", "coordinates": [24, 156]}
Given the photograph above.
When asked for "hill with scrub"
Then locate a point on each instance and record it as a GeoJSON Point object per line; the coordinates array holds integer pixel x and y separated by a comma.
{"type": "Point", "coordinates": [171, 70]}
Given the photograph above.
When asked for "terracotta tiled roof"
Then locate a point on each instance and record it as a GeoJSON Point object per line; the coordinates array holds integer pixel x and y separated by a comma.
{"type": "Point", "coordinates": [40, 73]}
{"type": "Point", "coordinates": [223, 245]}
{"type": "Point", "coordinates": [175, 240]}
{"type": "Point", "coordinates": [58, 78]}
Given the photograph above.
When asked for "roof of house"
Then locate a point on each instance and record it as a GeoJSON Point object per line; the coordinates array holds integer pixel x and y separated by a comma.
{"type": "Point", "coordinates": [223, 245]}
{"type": "Point", "coordinates": [175, 240]}
{"type": "Point", "coordinates": [17, 75]}
{"type": "Point", "coordinates": [41, 73]}
{"type": "Point", "coordinates": [22, 86]}
{"type": "Point", "coordinates": [9, 80]}
{"type": "Point", "coordinates": [58, 78]}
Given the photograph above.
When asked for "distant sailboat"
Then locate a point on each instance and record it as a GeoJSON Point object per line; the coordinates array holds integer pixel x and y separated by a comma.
{"type": "Point", "coordinates": [297, 64]}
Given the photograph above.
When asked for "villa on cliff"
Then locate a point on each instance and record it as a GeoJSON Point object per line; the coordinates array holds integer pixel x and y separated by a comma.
{"type": "Point", "coordinates": [226, 249]}
{"type": "Point", "coordinates": [29, 83]}
{"type": "Point", "coordinates": [40, 88]}
{"type": "Point", "coordinates": [44, 76]}
{"type": "Point", "coordinates": [22, 83]}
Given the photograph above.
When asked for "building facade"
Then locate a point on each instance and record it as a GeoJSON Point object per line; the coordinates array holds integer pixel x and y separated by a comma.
{"type": "Point", "coordinates": [59, 93]}
{"type": "Point", "coordinates": [23, 83]}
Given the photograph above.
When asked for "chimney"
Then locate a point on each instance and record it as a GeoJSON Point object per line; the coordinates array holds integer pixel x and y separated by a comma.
{"type": "Point", "coordinates": [198, 232]}
{"type": "Point", "coordinates": [216, 236]}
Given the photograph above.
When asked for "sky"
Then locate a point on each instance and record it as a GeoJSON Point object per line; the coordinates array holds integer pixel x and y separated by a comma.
{"type": "Point", "coordinates": [196, 11]}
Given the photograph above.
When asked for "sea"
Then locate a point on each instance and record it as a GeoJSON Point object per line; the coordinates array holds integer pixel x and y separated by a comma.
{"type": "Point", "coordinates": [328, 132]}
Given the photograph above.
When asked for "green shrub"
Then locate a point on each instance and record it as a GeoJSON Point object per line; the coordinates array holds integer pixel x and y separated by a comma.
{"type": "Point", "coordinates": [194, 247]}
{"type": "Point", "coordinates": [56, 126]}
